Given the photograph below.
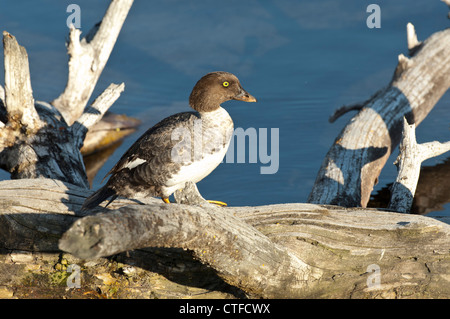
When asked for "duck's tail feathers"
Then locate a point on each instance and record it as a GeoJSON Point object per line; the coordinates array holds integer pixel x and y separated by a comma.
{"type": "Point", "coordinates": [99, 196]}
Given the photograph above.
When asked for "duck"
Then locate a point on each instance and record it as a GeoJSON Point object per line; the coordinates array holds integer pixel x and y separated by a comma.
{"type": "Point", "coordinates": [184, 147]}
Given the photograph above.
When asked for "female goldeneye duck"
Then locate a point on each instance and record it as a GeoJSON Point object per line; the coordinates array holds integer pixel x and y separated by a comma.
{"type": "Point", "coordinates": [181, 148]}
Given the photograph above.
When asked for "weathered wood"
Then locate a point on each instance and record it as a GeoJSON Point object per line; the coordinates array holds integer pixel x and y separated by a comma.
{"type": "Point", "coordinates": [334, 246]}
{"type": "Point", "coordinates": [244, 257]}
{"type": "Point", "coordinates": [357, 156]}
{"type": "Point", "coordinates": [95, 112]}
{"type": "Point", "coordinates": [88, 58]}
{"type": "Point", "coordinates": [408, 163]}
{"type": "Point", "coordinates": [38, 139]}
{"type": "Point", "coordinates": [19, 100]}
{"type": "Point", "coordinates": [411, 38]}
{"type": "Point", "coordinates": [27, 140]}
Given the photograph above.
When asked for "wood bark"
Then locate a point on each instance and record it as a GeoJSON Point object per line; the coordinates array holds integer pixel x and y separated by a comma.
{"type": "Point", "coordinates": [352, 165]}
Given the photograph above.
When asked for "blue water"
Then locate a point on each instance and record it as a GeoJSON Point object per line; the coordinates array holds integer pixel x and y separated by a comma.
{"type": "Point", "coordinates": [301, 59]}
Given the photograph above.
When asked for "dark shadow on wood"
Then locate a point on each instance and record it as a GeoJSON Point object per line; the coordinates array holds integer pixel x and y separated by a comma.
{"type": "Point", "coordinates": [349, 200]}
{"type": "Point", "coordinates": [179, 266]}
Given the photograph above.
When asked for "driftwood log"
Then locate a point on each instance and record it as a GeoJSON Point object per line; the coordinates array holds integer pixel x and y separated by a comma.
{"type": "Point", "coordinates": [40, 139]}
{"type": "Point", "coordinates": [285, 251]}
{"type": "Point", "coordinates": [352, 165]}
{"type": "Point", "coordinates": [145, 248]}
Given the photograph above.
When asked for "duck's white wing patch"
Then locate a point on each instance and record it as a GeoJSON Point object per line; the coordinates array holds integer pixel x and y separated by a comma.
{"type": "Point", "coordinates": [136, 162]}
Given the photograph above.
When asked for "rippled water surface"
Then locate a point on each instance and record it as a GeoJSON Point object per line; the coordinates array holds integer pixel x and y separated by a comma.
{"type": "Point", "coordinates": [301, 59]}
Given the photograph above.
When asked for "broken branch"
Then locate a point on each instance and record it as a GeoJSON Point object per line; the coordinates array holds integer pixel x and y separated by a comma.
{"type": "Point", "coordinates": [18, 93]}
{"type": "Point", "coordinates": [88, 57]}
{"type": "Point", "coordinates": [93, 114]}
{"type": "Point", "coordinates": [352, 165]}
{"type": "Point", "coordinates": [409, 161]}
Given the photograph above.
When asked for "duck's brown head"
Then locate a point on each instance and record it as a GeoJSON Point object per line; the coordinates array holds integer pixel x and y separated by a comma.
{"type": "Point", "coordinates": [215, 88]}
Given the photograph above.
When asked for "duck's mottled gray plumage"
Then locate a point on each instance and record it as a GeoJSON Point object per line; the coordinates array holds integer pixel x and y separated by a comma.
{"type": "Point", "coordinates": [157, 163]}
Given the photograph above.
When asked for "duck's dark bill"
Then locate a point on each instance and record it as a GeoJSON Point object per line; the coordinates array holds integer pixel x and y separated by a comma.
{"type": "Point", "coordinates": [245, 96]}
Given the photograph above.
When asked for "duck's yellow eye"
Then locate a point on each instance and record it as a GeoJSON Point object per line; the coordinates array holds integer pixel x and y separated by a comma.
{"type": "Point", "coordinates": [225, 84]}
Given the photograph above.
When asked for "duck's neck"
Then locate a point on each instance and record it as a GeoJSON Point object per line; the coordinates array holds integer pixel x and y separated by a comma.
{"type": "Point", "coordinates": [217, 117]}
{"type": "Point", "coordinates": [205, 107]}
{"type": "Point", "coordinates": [214, 112]}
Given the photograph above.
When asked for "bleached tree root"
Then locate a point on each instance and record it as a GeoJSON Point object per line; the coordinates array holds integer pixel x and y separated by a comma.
{"type": "Point", "coordinates": [409, 163]}
{"type": "Point", "coordinates": [352, 165]}
{"type": "Point", "coordinates": [39, 139]}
